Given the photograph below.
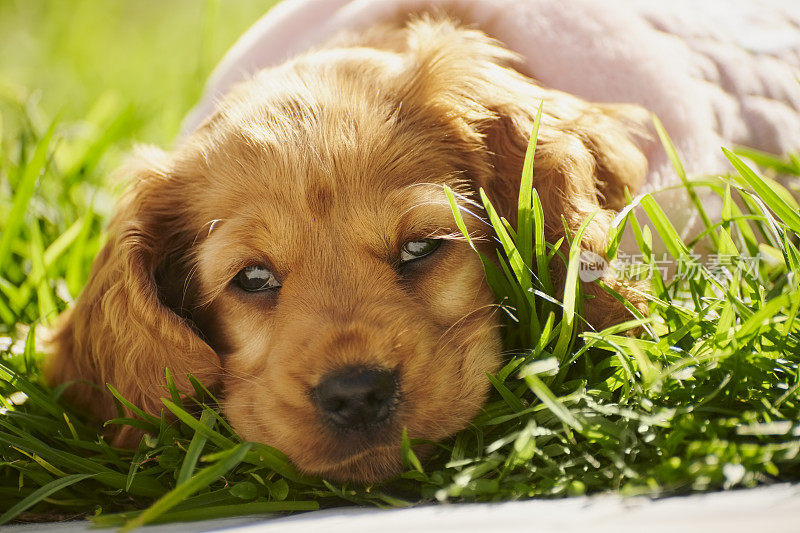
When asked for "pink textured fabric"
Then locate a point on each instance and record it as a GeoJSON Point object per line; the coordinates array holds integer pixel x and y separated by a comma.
{"type": "Point", "coordinates": [716, 72]}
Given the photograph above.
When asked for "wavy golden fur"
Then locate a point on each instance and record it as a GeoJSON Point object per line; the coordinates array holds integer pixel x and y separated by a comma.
{"type": "Point", "coordinates": [322, 168]}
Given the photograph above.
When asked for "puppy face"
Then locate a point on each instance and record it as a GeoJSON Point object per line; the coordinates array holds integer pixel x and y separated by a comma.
{"type": "Point", "coordinates": [298, 250]}
{"type": "Point", "coordinates": [324, 192]}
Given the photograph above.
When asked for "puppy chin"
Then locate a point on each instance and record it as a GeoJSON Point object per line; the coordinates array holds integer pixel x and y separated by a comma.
{"type": "Point", "coordinates": [368, 466]}
{"type": "Point", "coordinates": [340, 460]}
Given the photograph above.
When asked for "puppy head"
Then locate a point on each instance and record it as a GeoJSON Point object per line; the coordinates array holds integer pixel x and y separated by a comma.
{"type": "Point", "coordinates": [299, 249]}
{"type": "Point", "coordinates": [338, 182]}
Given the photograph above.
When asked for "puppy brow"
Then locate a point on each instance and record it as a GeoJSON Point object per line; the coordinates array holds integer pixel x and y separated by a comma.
{"type": "Point", "coordinates": [231, 244]}
{"type": "Point", "coordinates": [431, 216]}
{"type": "Point", "coordinates": [319, 197]}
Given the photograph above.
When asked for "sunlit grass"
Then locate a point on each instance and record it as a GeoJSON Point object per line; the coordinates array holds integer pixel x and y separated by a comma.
{"type": "Point", "coordinates": [706, 397]}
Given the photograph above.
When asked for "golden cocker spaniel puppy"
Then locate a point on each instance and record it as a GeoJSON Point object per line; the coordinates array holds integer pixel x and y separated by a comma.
{"type": "Point", "coordinates": [298, 251]}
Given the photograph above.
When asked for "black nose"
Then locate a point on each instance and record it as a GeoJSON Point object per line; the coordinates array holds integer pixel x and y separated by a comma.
{"type": "Point", "coordinates": [356, 397]}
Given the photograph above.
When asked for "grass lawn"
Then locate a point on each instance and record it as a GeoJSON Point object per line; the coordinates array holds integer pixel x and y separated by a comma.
{"type": "Point", "coordinates": [706, 397]}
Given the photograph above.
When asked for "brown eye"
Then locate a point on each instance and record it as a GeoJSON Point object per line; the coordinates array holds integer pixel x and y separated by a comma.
{"type": "Point", "coordinates": [417, 249]}
{"type": "Point", "coordinates": [256, 278]}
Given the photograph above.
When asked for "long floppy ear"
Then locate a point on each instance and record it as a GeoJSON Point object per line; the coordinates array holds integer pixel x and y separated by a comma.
{"type": "Point", "coordinates": [587, 154]}
{"type": "Point", "coordinates": [121, 330]}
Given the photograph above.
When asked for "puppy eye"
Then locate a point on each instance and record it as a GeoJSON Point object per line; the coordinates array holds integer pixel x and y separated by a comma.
{"type": "Point", "coordinates": [417, 249]}
{"type": "Point", "coordinates": [256, 278]}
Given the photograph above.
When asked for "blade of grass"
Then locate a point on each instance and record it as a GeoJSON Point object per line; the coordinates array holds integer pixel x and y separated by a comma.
{"type": "Point", "coordinates": [143, 485]}
{"type": "Point", "coordinates": [45, 297]}
{"type": "Point", "coordinates": [146, 417]}
{"type": "Point", "coordinates": [209, 513]}
{"type": "Point", "coordinates": [789, 216]}
{"type": "Point", "coordinates": [553, 404]}
{"type": "Point", "coordinates": [195, 448]}
{"type": "Point", "coordinates": [566, 331]}
{"type": "Point", "coordinates": [218, 439]}
{"type": "Point", "coordinates": [410, 459]}
{"type": "Point", "coordinates": [197, 482]}
{"type": "Point", "coordinates": [666, 142]}
{"type": "Point", "coordinates": [264, 456]}
{"type": "Point", "coordinates": [25, 189]}
{"type": "Point", "coordinates": [540, 245]}
{"type": "Point", "coordinates": [76, 261]}
{"type": "Point", "coordinates": [664, 227]}
{"type": "Point", "coordinates": [524, 238]}
{"type": "Point", "coordinates": [768, 160]}
{"type": "Point", "coordinates": [40, 494]}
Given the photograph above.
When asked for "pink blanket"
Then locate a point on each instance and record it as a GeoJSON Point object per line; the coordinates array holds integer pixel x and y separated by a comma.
{"type": "Point", "coordinates": [716, 72]}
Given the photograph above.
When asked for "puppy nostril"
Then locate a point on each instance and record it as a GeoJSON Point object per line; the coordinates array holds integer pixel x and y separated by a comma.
{"type": "Point", "coordinates": [355, 397]}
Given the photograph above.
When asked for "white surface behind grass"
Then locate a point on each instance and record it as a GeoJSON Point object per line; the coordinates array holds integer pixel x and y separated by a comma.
{"type": "Point", "coordinates": [765, 509]}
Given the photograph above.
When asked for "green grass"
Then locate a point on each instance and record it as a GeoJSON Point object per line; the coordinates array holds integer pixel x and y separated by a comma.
{"type": "Point", "coordinates": [706, 397]}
